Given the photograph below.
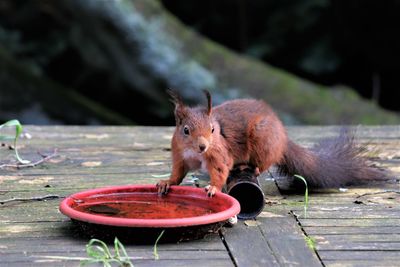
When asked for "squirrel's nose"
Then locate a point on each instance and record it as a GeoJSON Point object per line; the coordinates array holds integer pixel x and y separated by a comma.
{"type": "Point", "coordinates": [202, 147]}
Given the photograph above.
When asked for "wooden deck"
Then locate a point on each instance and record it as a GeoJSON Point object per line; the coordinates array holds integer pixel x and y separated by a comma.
{"type": "Point", "coordinates": [354, 227]}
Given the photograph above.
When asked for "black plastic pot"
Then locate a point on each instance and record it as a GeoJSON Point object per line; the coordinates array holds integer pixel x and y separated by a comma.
{"type": "Point", "coordinates": [243, 185]}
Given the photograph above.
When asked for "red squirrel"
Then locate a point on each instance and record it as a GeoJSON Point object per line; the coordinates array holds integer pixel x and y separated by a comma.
{"type": "Point", "coordinates": [247, 131]}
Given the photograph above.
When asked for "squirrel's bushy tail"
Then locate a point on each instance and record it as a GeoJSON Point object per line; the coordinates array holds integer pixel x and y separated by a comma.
{"type": "Point", "coordinates": [331, 163]}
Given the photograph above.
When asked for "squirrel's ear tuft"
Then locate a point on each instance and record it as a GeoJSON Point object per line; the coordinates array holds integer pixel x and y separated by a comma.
{"type": "Point", "coordinates": [209, 102]}
{"type": "Point", "coordinates": [180, 109]}
{"type": "Point", "coordinates": [175, 97]}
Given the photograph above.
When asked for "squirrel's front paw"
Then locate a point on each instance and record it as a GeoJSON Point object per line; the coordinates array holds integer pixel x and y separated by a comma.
{"type": "Point", "coordinates": [211, 190]}
{"type": "Point", "coordinates": [163, 186]}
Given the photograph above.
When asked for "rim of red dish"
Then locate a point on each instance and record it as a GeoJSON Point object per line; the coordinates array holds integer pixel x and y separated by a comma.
{"type": "Point", "coordinates": [234, 209]}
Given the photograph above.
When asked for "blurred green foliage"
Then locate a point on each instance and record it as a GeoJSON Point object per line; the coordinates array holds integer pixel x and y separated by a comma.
{"type": "Point", "coordinates": [330, 42]}
{"type": "Point", "coordinates": [110, 62]}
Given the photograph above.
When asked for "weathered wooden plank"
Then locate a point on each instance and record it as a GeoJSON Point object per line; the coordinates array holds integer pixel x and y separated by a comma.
{"type": "Point", "coordinates": [167, 258]}
{"type": "Point", "coordinates": [296, 132]}
{"type": "Point", "coordinates": [68, 132]}
{"type": "Point", "coordinates": [361, 263]}
{"type": "Point", "coordinates": [92, 149]}
{"type": "Point", "coordinates": [366, 214]}
{"type": "Point", "coordinates": [136, 262]}
{"type": "Point", "coordinates": [37, 230]}
{"type": "Point", "coordinates": [380, 222]}
{"type": "Point", "coordinates": [74, 244]}
{"type": "Point", "coordinates": [223, 262]}
{"type": "Point", "coordinates": [32, 193]}
{"type": "Point", "coordinates": [78, 181]}
{"type": "Point", "coordinates": [268, 185]}
{"type": "Point", "coordinates": [357, 191]}
{"type": "Point", "coordinates": [287, 242]}
{"type": "Point", "coordinates": [342, 206]}
{"type": "Point", "coordinates": [217, 262]}
{"type": "Point", "coordinates": [359, 255]}
{"type": "Point", "coordinates": [77, 243]}
{"type": "Point", "coordinates": [366, 238]}
{"type": "Point", "coordinates": [349, 202]}
{"type": "Point", "coordinates": [9, 222]}
{"type": "Point", "coordinates": [95, 165]}
{"type": "Point", "coordinates": [338, 205]}
{"type": "Point", "coordinates": [248, 247]}
{"type": "Point", "coordinates": [331, 195]}
{"type": "Point", "coordinates": [346, 230]}
{"type": "Point", "coordinates": [156, 167]}
{"type": "Point", "coordinates": [385, 212]}
{"type": "Point", "coordinates": [299, 131]}
{"type": "Point", "coordinates": [317, 132]}
{"type": "Point", "coordinates": [352, 246]}
{"type": "Point", "coordinates": [85, 174]}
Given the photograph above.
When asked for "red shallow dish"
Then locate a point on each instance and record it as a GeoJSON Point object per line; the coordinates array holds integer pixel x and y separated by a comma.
{"type": "Point", "coordinates": [140, 206]}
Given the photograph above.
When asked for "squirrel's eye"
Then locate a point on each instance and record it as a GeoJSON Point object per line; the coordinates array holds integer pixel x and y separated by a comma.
{"type": "Point", "coordinates": [212, 129]}
{"type": "Point", "coordinates": [186, 130]}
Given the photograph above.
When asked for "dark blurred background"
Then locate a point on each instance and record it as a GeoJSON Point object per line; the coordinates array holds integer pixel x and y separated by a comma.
{"type": "Point", "coordinates": [110, 62]}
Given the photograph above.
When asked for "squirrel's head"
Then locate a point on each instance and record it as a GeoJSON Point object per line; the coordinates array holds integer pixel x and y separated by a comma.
{"type": "Point", "coordinates": [195, 127]}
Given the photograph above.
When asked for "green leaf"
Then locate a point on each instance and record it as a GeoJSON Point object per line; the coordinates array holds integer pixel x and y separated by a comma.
{"type": "Point", "coordinates": [98, 252]}
{"type": "Point", "coordinates": [98, 249]}
{"type": "Point", "coordinates": [124, 258]}
{"type": "Point", "coordinates": [305, 194]}
{"type": "Point", "coordinates": [18, 131]}
{"type": "Point", "coordinates": [310, 241]}
{"type": "Point", "coordinates": [155, 252]}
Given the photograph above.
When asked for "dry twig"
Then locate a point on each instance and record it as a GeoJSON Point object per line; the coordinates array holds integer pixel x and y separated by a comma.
{"type": "Point", "coordinates": [379, 192]}
{"type": "Point", "coordinates": [43, 198]}
{"type": "Point", "coordinates": [32, 164]}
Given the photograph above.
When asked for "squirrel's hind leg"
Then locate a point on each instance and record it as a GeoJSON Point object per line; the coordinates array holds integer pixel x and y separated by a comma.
{"type": "Point", "coordinates": [267, 142]}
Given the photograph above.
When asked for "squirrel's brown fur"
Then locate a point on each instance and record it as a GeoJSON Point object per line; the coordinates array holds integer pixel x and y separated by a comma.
{"type": "Point", "coordinates": [247, 131]}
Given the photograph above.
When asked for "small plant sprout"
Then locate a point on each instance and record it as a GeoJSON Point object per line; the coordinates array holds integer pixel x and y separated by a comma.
{"type": "Point", "coordinates": [18, 131]}
{"type": "Point", "coordinates": [305, 193]}
{"type": "Point", "coordinates": [98, 252]}
{"type": "Point", "coordinates": [155, 252]}
{"type": "Point", "coordinates": [310, 241]}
